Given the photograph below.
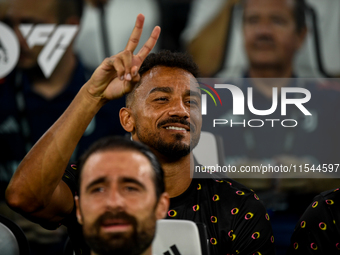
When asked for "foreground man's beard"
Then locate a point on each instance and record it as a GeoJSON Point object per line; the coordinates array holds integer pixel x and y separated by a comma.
{"type": "Point", "coordinates": [132, 243]}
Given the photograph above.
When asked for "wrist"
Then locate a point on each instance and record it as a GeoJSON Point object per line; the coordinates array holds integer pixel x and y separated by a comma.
{"type": "Point", "coordinates": [92, 98]}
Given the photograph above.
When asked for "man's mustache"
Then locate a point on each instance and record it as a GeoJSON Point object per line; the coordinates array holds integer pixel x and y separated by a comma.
{"type": "Point", "coordinates": [264, 39]}
{"type": "Point", "coordinates": [114, 215]}
{"type": "Point", "coordinates": [176, 120]}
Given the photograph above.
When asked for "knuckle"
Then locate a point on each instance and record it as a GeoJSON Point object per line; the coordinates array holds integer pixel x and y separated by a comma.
{"type": "Point", "coordinates": [127, 53]}
{"type": "Point", "coordinates": [147, 48]}
{"type": "Point", "coordinates": [119, 69]}
{"type": "Point", "coordinates": [134, 40]}
{"type": "Point", "coordinates": [108, 60]}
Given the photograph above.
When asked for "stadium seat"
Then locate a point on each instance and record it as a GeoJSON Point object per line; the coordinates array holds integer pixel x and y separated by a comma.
{"type": "Point", "coordinates": [209, 151]}
{"type": "Point", "coordinates": [180, 237]}
{"type": "Point", "coordinates": [12, 239]}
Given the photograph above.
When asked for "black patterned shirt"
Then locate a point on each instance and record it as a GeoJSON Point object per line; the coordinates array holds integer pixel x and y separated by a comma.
{"type": "Point", "coordinates": [318, 231]}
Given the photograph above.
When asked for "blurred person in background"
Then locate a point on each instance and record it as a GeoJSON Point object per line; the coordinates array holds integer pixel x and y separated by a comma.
{"type": "Point", "coordinates": [273, 32]}
{"type": "Point", "coordinates": [214, 36]}
{"type": "Point", "coordinates": [30, 102]}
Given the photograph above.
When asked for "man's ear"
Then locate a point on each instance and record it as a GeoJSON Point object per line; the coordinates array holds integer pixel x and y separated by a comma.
{"type": "Point", "coordinates": [162, 206]}
{"type": "Point", "coordinates": [126, 119]}
{"type": "Point", "coordinates": [79, 217]}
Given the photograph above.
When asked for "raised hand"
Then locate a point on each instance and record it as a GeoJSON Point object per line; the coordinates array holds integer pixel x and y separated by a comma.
{"type": "Point", "coordinates": [117, 75]}
{"type": "Point", "coordinates": [36, 189]}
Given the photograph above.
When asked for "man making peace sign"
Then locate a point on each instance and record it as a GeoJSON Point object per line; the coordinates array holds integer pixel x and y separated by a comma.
{"type": "Point", "coordinates": [163, 111]}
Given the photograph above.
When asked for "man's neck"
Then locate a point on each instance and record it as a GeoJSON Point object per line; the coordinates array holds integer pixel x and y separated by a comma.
{"type": "Point", "coordinates": [52, 86]}
{"type": "Point", "coordinates": [177, 174]}
{"type": "Point", "coordinates": [265, 86]}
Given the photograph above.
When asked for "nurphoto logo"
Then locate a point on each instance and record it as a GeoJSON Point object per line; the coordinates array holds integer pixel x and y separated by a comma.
{"type": "Point", "coordinates": [302, 96]}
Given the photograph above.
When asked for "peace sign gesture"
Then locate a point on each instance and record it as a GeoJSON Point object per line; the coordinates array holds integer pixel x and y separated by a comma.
{"type": "Point", "coordinates": [117, 74]}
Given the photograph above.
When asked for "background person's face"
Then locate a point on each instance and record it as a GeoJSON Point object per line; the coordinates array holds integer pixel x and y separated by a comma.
{"type": "Point", "coordinates": [117, 205]}
{"type": "Point", "coordinates": [30, 12]}
{"type": "Point", "coordinates": [270, 34]}
{"type": "Point", "coordinates": [167, 116]}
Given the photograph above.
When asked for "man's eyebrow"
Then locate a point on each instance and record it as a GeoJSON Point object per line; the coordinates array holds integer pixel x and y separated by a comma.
{"type": "Point", "coordinates": [169, 90]}
{"type": "Point", "coordinates": [161, 89]}
{"type": "Point", "coordinates": [95, 182]}
{"type": "Point", "coordinates": [132, 180]}
{"type": "Point", "coordinates": [192, 93]}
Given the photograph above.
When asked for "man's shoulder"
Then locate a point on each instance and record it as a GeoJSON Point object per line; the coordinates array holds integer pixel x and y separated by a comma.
{"type": "Point", "coordinates": [326, 203]}
{"type": "Point", "coordinates": [330, 197]}
{"type": "Point", "coordinates": [227, 184]}
{"type": "Point", "coordinates": [231, 191]}
{"type": "Point", "coordinates": [70, 177]}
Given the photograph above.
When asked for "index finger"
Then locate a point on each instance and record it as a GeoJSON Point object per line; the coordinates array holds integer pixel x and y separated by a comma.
{"type": "Point", "coordinates": [136, 34]}
{"type": "Point", "coordinates": [150, 43]}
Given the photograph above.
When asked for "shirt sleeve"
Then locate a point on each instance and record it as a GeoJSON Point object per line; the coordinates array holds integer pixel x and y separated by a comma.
{"type": "Point", "coordinates": [70, 177]}
{"type": "Point", "coordinates": [316, 232]}
{"type": "Point", "coordinates": [252, 233]}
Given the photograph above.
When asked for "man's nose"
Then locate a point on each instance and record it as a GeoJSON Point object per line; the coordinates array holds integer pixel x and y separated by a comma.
{"type": "Point", "coordinates": [178, 108]}
{"type": "Point", "coordinates": [115, 200]}
{"type": "Point", "coordinates": [264, 28]}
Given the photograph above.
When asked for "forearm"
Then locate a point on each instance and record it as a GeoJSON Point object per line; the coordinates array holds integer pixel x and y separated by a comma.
{"type": "Point", "coordinates": [37, 181]}
{"type": "Point", "coordinates": [41, 170]}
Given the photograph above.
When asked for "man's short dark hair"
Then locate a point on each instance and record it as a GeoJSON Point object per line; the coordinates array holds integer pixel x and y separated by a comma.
{"type": "Point", "coordinates": [298, 14]}
{"type": "Point", "coordinates": [168, 59]}
{"type": "Point", "coordinates": [113, 143]}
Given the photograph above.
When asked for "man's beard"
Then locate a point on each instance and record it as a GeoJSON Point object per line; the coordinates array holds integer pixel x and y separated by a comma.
{"type": "Point", "coordinates": [172, 150]}
{"type": "Point", "coordinates": [133, 243]}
